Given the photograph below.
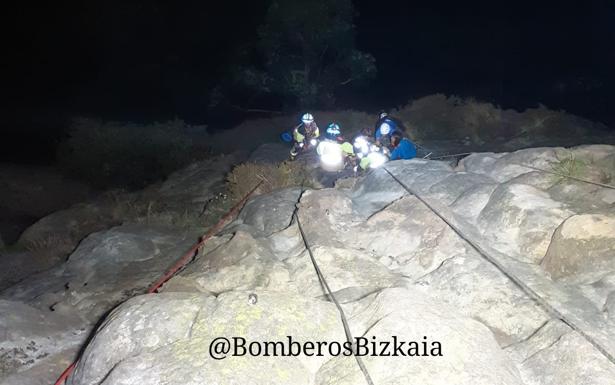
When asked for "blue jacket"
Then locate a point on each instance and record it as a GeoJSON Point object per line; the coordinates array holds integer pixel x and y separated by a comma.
{"type": "Point", "coordinates": [405, 150]}
{"type": "Point", "coordinates": [391, 123]}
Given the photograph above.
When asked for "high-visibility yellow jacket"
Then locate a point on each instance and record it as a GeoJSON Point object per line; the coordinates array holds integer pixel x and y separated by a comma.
{"type": "Point", "coordinates": [346, 147]}
{"type": "Point", "coordinates": [301, 131]}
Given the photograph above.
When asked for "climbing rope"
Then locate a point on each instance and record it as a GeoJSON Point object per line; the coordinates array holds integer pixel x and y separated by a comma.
{"type": "Point", "coordinates": [190, 254]}
{"type": "Point", "coordinates": [531, 293]}
{"type": "Point", "coordinates": [324, 283]}
{"type": "Point", "coordinates": [181, 262]}
{"type": "Point", "coordinates": [451, 155]}
{"type": "Point", "coordinates": [530, 167]}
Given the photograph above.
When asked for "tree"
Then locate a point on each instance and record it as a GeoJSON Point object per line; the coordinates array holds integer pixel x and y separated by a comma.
{"type": "Point", "coordinates": [305, 50]}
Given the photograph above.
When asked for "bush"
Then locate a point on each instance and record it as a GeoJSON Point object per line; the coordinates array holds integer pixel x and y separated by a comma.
{"type": "Point", "coordinates": [569, 166]}
{"type": "Point", "coordinates": [245, 176]}
{"type": "Point", "coordinates": [441, 117]}
{"type": "Point", "coordinates": [581, 166]}
{"type": "Point", "coordinates": [546, 122]}
{"type": "Point", "coordinates": [125, 154]}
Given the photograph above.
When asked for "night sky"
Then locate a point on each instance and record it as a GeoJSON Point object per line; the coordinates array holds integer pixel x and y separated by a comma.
{"type": "Point", "coordinates": [154, 60]}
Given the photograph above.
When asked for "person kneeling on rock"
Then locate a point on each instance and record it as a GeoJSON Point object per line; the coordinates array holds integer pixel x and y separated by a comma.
{"type": "Point", "coordinates": [403, 148]}
{"type": "Point", "coordinates": [385, 128]}
{"type": "Point", "coordinates": [334, 151]}
{"type": "Point", "coordinates": [304, 135]}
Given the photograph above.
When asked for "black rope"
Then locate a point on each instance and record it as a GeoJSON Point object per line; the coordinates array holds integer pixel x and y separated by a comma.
{"type": "Point", "coordinates": [550, 309]}
{"type": "Point", "coordinates": [462, 154]}
{"type": "Point", "coordinates": [324, 283]}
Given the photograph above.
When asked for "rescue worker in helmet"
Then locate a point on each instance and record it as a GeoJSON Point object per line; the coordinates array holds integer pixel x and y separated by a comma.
{"type": "Point", "coordinates": [334, 143]}
{"type": "Point", "coordinates": [304, 135]}
{"type": "Point", "coordinates": [385, 127]}
{"type": "Point", "coordinates": [403, 148]}
{"type": "Point", "coordinates": [333, 133]}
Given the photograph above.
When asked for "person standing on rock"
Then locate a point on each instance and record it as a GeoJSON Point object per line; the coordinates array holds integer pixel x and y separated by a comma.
{"type": "Point", "coordinates": [386, 126]}
{"type": "Point", "coordinates": [403, 148]}
{"type": "Point", "coordinates": [303, 135]}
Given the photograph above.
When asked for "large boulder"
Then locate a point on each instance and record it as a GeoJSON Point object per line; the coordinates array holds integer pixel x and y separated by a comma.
{"type": "Point", "coordinates": [192, 187]}
{"type": "Point", "coordinates": [376, 191]}
{"type": "Point", "coordinates": [482, 292]}
{"type": "Point", "coordinates": [479, 163]}
{"type": "Point", "coordinates": [457, 185]}
{"type": "Point", "coordinates": [408, 238]}
{"type": "Point", "coordinates": [410, 316]}
{"type": "Point", "coordinates": [595, 152]}
{"type": "Point", "coordinates": [349, 272]}
{"type": "Point", "coordinates": [148, 338]}
{"type": "Point", "coordinates": [556, 355]}
{"type": "Point", "coordinates": [267, 214]}
{"type": "Point", "coordinates": [507, 166]}
{"type": "Point", "coordinates": [520, 219]}
{"type": "Point", "coordinates": [582, 248]}
{"type": "Point", "coordinates": [419, 174]}
{"type": "Point", "coordinates": [470, 204]}
{"type": "Point", "coordinates": [107, 268]}
{"type": "Point", "coordinates": [569, 360]}
{"type": "Point", "coordinates": [65, 228]}
{"type": "Point", "coordinates": [327, 217]}
{"type": "Point", "coordinates": [241, 263]}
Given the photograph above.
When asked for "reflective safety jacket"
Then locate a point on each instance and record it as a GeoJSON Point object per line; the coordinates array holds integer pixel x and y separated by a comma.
{"type": "Point", "coordinates": [346, 147]}
{"type": "Point", "coordinates": [302, 131]}
{"type": "Point", "coordinates": [394, 127]}
{"type": "Point", "coordinates": [364, 164]}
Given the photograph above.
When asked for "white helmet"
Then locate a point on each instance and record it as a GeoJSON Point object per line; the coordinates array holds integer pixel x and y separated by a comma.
{"type": "Point", "coordinates": [307, 118]}
{"type": "Point", "coordinates": [385, 128]}
{"type": "Point", "coordinates": [383, 115]}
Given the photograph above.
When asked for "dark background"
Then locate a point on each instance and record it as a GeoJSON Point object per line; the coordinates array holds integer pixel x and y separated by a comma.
{"type": "Point", "coordinates": [145, 60]}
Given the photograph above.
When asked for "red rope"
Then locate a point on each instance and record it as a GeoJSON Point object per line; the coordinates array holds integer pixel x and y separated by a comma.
{"type": "Point", "coordinates": [66, 373]}
{"type": "Point", "coordinates": [181, 262]}
{"type": "Point", "coordinates": [194, 249]}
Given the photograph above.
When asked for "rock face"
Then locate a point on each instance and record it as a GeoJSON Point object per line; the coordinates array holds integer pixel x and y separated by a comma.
{"type": "Point", "coordinates": [28, 334]}
{"type": "Point", "coordinates": [45, 320]}
{"type": "Point", "coordinates": [521, 219]}
{"type": "Point", "coordinates": [396, 268]}
{"type": "Point", "coordinates": [582, 247]}
{"type": "Point", "coordinates": [146, 337]}
{"type": "Point", "coordinates": [71, 224]}
{"type": "Point", "coordinates": [182, 201]}
{"type": "Point", "coordinates": [270, 153]}
{"type": "Point", "coordinates": [268, 214]}
{"type": "Point", "coordinates": [190, 189]}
